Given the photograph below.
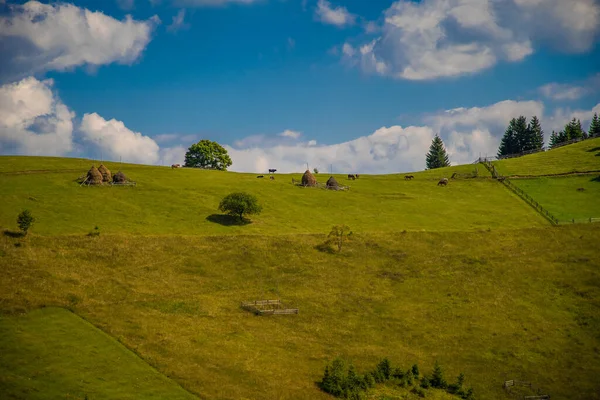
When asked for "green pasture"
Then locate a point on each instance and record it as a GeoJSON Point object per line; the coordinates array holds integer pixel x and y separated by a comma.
{"type": "Point", "coordinates": [185, 201]}
{"type": "Point", "coordinates": [561, 197]}
{"type": "Point", "coordinates": [578, 157]}
{"type": "Point", "coordinates": [51, 353]}
{"type": "Point", "coordinates": [496, 305]}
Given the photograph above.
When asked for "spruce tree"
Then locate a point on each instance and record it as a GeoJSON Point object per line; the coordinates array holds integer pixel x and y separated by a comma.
{"type": "Point", "coordinates": [437, 157]}
{"type": "Point", "coordinates": [536, 134]}
{"type": "Point", "coordinates": [522, 134]}
{"type": "Point", "coordinates": [594, 130]}
{"type": "Point", "coordinates": [508, 145]}
{"type": "Point", "coordinates": [573, 130]}
{"type": "Point", "coordinates": [554, 140]}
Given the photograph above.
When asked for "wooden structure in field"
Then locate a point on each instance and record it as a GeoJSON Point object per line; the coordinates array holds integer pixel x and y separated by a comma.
{"type": "Point", "coordinates": [267, 307]}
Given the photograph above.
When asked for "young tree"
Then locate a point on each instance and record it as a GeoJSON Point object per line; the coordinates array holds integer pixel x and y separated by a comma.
{"type": "Point", "coordinates": [554, 139]}
{"type": "Point", "coordinates": [25, 220]}
{"type": "Point", "coordinates": [240, 204]}
{"type": "Point", "coordinates": [207, 154]}
{"type": "Point", "coordinates": [437, 377]}
{"type": "Point", "coordinates": [338, 235]}
{"type": "Point", "coordinates": [437, 157]}
{"type": "Point", "coordinates": [536, 134]}
{"type": "Point", "coordinates": [594, 130]}
{"type": "Point", "coordinates": [573, 130]}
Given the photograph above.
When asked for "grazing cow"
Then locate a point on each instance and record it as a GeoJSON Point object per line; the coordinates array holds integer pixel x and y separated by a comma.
{"type": "Point", "coordinates": [350, 176]}
{"type": "Point", "coordinates": [260, 176]}
{"type": "Point", "coordinates": [443, 182]}
{"type": "Point", "coordinates": [272, 171]}
{"type": "Point", "coordinates": [175, 166]}
{"type": "Point", "coordinates": [408, 177]}
{"type": "Point", "coordinates": [272, 178]}
{"type": "Point", "coordinates": [580, 189]}
{"type": "Point", "coordinates": [356, 176]}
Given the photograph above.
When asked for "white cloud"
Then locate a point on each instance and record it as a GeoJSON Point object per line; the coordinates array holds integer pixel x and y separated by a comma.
{"type": "Point", "coordinates": [39, 37]}
{"type": "Point", "coordinates": [561, 116]}
{"type": "Point", "coordinates": [33, 121]}
{"type": "Point", "coordinates": [562, 91]}
{"type": "Point", "coordinates": [178, 22]}
{"type": "Point", "coordinates": [338, 16]}
{"type": "Point", "coordinates": [173, 155]}
{"type": "Point", "coordinates": [117, 140]}
{"type": "Point", "coordinates": [448, 38]}
{"type": "Point", "coordinates": [291, 134]}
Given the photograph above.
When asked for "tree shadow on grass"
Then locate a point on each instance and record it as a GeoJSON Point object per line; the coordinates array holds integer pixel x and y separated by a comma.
{"type": "Point", "coordinates": [13, 234]}
{"type": "Point", "coordinates": [325, 248]}
{"type": "Point", "coordinates": [597, 148]}
{"type": "Point", "coordinates": [596, 179]}
{"type": "Point", "coordinates": [227, 220]}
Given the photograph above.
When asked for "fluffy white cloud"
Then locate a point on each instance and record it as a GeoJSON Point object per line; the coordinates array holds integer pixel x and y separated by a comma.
{"type": "Point", "coordinates": [563, 91]}
{"type": "Point", "coordinates": [33, 121]}
{"type": "Point", "coordinates": [178, 22]}
{"type": "Point", "coordinates": [446, 38]}
{"type": "Point", "coordinates": [291, 134]}
{"type": "Point", "coordinates": [338, 16]}
{"type": "Point", "coordinates": [561, 116]}
{"type": "Point", "coordinates": [117, 141]}
{"type": "Point", "coordinates": [38, 37]}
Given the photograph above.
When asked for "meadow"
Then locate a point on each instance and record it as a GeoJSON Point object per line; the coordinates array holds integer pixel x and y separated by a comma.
{"type": "Point", "coordinates": [578, 157]}
{"type": "Point", "coordinates": [496, 305]}
{"type": "Point", "coordinates": [468, 275]}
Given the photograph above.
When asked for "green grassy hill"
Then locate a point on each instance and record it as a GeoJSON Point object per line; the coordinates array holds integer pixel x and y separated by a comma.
{"type": "Point", "coordinates": [467, 274]}
{"type": "Point", "coordinates": [185, 201]}
{"type": "Point", "coordinates": [51, 353]}
{"type": "Point", "coordinates": [578, 157]}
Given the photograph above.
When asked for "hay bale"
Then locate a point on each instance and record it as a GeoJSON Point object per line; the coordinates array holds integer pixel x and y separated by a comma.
{"type": "Point", "coordinates": [308, 179]}
{"type": "Point", "coordinates": [332, 183]}
{"type": "Point", "coordinates": [94, 177]}
{"type": "Point", "coordinates": [119, 177]}
{"type": "Point", "coordinates": [106, 176]}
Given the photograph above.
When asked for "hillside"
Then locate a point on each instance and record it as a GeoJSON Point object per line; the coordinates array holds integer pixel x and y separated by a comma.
{"type": "Point", "coordinates": [185, 201]}
{"type": "Point", "coordinates": [578, 157]}
{"type": "Point", "coordinates": [497, 305]}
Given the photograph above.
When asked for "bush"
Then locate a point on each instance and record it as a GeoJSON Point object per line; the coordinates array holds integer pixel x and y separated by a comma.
{"type": "Point", "coordinates": [95, 232]}
{"type": "Point", "coordinates": [437, 377]}
{"type": "Point", "coordinates": [415, 371]}
{"type": "Point", "coordinates": [25, 220]}
{"type": "Point", "coordinates": [425, 383]}
{"type": "Point", "coordinates": [338, 235]}
{"type": "Point", "coordinates": [418, 391]}
{"type": "Point", "coordinates": [240, 204]}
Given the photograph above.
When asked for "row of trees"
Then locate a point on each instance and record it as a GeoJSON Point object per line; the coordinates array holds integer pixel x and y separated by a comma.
{"type": "Point", "coordinates": [341, 380]}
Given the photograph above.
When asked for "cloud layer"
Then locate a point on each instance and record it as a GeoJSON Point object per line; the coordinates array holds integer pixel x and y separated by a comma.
{"type": "Point", "coordinates": [37, 37]}
{"type": "Point", "coordinates": [447, 38]}
{"type": "Point", "coordinates": [338, 16]}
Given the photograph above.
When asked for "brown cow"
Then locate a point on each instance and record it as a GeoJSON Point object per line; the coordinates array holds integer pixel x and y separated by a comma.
{"type": "Point", "coordinates": [408, 177]}
{"type": "Point", "coordinates": [443, 182]}
{"type": "Point", "coordinates": [175, 166]}
{"type": "Point", "coordinates": [350, 176]}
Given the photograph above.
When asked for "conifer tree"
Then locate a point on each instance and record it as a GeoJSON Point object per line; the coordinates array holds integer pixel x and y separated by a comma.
{"type": "Point", "coordinates": [554, 140]}
{"type": "Point", "coordinates": [508, 145]}
{"type": "Point", "coordinates": [437, 156]}
{"type": "Point", "coordinates": [522, 134]}
{"type": "Point", "coordinates": [536, 134]}
{"type": "Point", "coordinates": [573, 130]}
{"type": "Point", "coordinates": [594, 130]}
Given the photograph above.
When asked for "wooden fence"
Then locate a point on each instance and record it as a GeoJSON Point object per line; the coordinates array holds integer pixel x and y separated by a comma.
{"type": "Point", "coordinates": [507, 385]}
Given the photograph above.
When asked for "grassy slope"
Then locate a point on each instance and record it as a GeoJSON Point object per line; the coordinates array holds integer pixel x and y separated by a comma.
{"type": "Point", "coordinates": [497, 305]}
{"type": "Point", "coordinates": [578, 157]}
{"type": "Point", "coordinates": [560, 196]}
{"type": "Point", "coordinates": [180, 201]}
{"type": "Point", "coordinates": [53, 354]}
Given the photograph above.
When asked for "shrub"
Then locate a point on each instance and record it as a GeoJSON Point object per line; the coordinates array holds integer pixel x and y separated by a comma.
{"type": "Point", "coordinates": [437, 377]}
{"type": "Point", "coordinates": [415, 371]}
{"type": "Point", "coordinates": [240, 204]}
{"type": "Point", "coordinates": [338, 235]}
{"type": "Point", "coordinates": [425, 383]}
{"type": "Point", "coordinates": [95, 232]}
{"type": "Point", "coordinates": [418, 391]}
{"type": "Point", "coordinates": [25, 220]}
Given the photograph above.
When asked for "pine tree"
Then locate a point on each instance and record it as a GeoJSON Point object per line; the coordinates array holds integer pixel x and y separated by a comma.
{"type": "Point", "coordinates": [537, 134]}
{"type": "Point", "coordinates": [573, 130]}
{"type": "Point", "coordinates": [522, 134]}
{"type": "Point", "coordinates": [508, 145]}
{"type": "Point", "coordinates": [437, 157]}
{"type": "Point", "coordinates": [594, 130]}
{"type": "Point", "coordinates": [554, 140]}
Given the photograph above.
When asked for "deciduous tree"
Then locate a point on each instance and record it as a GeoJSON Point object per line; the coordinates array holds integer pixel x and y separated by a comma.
{"type": "Point", "coordinates": [207, 154]}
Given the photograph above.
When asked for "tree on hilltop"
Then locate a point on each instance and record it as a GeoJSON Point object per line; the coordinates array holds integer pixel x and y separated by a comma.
{"type": "Point", "coordinates": [207, 154]}
{"type": "Point", "coordinates": [535, 134]}
{"type": "Point", "coordinates": [594, 130]}
{"type": "Point", "coordinates": [437, 156]}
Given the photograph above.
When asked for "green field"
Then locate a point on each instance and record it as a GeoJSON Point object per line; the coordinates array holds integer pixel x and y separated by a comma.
{"type": "Point", "coordinates": [468, 274]}
{"type": "Point", "coordinates": [51, 353]}
{"type": "Point", "coordinates": [562, 199]}
{"type": "Point", "coordinates": [577, 157]}
{"type": "Point", "coordinates": [185, 201]}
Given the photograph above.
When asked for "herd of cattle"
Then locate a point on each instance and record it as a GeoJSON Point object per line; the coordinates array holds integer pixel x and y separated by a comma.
{"type": "Point", "coordinates": [442, 182]}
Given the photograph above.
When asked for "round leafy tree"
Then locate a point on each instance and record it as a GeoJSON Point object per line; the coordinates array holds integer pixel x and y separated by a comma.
{"type": "Point", "coordinates": [25, 220]}
{"type": "Point", "coordinates": [207, 154]}
{"type": "Point", "coordinates": [240, 204]}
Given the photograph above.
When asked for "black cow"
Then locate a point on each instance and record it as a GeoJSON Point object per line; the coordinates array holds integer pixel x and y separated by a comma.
{"type": "Point", "coordinates": [271, 171]}
{"type": "Point", "coordinates": [350, 176]}
{"type": "Point", "coordinates": [260, 176]}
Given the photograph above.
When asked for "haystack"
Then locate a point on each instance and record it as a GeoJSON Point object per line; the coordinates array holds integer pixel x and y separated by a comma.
{"type": "Point", "coordinates": [308, 179]}
{"type": "Point", "coordinates": [332, 183]}
{"type": "Point", "coordinates": [106, 176]}
{"type": "Point", "coordinates": [119, 177]}
{"type": "Point", "coordinates": [94, 177]}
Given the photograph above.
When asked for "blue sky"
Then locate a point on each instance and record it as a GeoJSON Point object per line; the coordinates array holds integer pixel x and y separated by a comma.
{"type": "Point", "coordinates": [363, 85]}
